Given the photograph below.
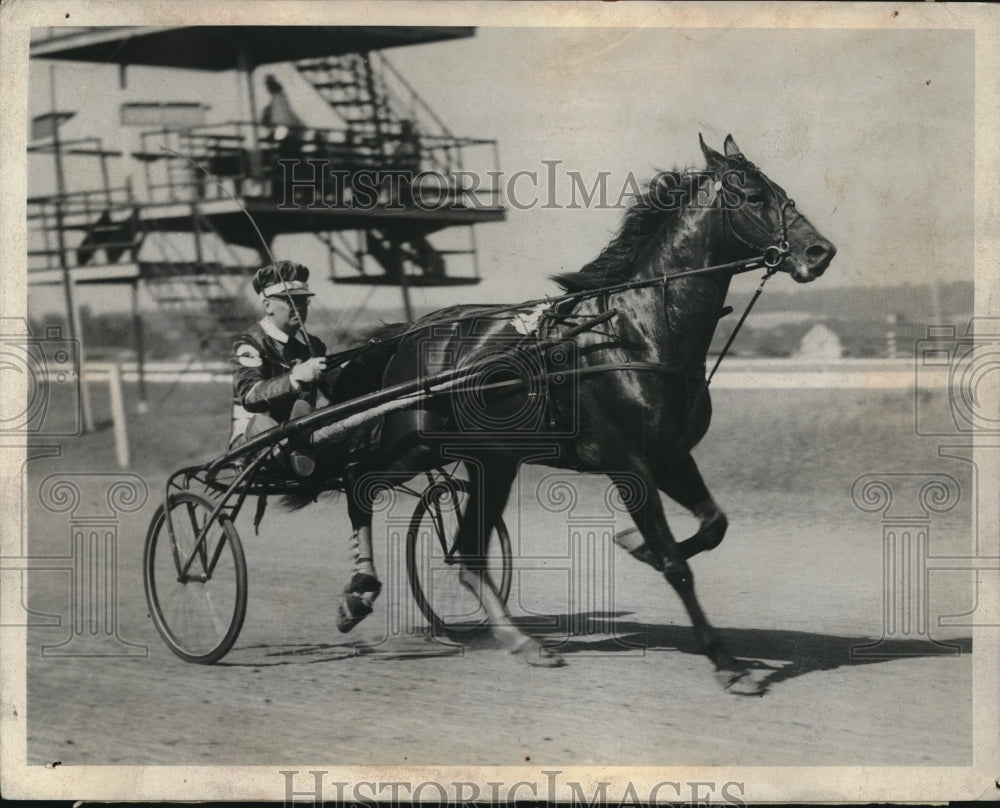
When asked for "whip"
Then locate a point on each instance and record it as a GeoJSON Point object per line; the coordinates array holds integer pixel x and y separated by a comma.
{"type": "Point", "coordinates": [288, 294]}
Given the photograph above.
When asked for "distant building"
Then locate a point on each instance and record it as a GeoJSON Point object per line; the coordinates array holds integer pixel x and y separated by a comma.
{"type": "Point", "coordinates": [820, 343]}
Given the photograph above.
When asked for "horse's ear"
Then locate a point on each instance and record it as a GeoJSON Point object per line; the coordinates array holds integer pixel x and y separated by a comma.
{"type": "Point", "coordinates": [731, 148]}
{"type": "Point", "coordinates": [710, 154]}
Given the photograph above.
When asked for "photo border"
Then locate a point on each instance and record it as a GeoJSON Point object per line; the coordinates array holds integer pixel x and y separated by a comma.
{"type": "Point", "coordinates": [762, 784]}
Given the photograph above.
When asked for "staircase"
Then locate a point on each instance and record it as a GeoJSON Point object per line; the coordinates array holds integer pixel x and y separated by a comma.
{"type": "Point", "coordinates": [390, 127]}
{"type": "Point", "coordinates": [215, 279]}
{"type": "Point", "coordinates": [205, 300]}
{"type": "Point", "coordinates": [357, 95]}
{"type": "Point", "coordinates": [414, 256]}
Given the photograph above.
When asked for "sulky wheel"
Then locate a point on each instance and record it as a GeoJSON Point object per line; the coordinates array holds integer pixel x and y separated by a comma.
{"type": "Point", "coordinates": [432, 563]}
{"type": "Point", "coordinates": [195, 579]}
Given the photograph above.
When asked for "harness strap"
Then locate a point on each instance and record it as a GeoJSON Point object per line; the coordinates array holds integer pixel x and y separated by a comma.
{"type": "Point", "coordinates": [736, 329]}
{"type": "Point", "coordinates": [650, 367]}
{"type": "Point", "coordinates": [734, 267]}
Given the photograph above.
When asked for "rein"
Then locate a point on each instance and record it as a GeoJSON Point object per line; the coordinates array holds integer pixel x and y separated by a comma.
{"type": "Point", "coordinates": [736, 330]}
{"type": "Point", "coordinates": [770, 255]}
{"type": "Point", "coordinates": [357, 411]}
{"type": "Point", "coordinates": [735, 267]}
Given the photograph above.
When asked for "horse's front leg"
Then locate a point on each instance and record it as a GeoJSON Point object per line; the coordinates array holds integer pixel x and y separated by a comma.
{"type": "Point", "coordinates": [489, 490]}
{"type": "Point", "coordinates": [647, 512]}
{"type": "Point", "coordinates": [683, 483]}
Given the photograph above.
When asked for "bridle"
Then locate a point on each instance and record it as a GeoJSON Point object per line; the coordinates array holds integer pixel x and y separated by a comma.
{"type": "Point", "coordinates": [772, 248]}
{"type": "Point", "coordinates": [773, 244]}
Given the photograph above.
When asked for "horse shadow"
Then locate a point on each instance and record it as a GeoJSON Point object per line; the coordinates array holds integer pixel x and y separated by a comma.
{"type": "Point", "coordinates": [778, 654]}
{"type": "Point", "coordinates": [805, 652]}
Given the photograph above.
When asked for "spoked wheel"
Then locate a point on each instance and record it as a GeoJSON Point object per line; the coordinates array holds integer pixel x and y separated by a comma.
{"type": "Point", "coordinates": [196, 580]}
{"type": "Point", "coordinates": [432, 564]}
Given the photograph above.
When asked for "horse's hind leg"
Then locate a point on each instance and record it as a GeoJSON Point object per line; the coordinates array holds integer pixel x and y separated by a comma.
{"type": "Point", "coordinates": [489, 490]}
{"type": "Point", "coordinates": [647, 512]}
{"type": "Point", "coordinates": [683, 484]}
{"type": "Point", "coordinates": [360, 593]}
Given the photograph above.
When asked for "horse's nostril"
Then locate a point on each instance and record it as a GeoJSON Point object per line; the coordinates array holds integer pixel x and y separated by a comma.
{"type": "Point", "coordinates": [819, 256]}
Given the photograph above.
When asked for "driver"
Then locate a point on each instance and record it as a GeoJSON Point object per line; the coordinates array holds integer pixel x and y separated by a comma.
{"type": "Point", "coordinates": [278, 372]}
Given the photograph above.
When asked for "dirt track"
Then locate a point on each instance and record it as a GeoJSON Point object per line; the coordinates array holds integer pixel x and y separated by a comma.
{"type": "Point", "coordinates": [797, 582]}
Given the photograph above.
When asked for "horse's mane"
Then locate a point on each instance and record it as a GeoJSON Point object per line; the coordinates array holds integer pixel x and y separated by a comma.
{"type": "Point", "coordinates": [617, 262]}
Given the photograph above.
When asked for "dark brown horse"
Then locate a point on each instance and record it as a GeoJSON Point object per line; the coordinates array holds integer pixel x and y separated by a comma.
{"type": "Point", "coordinates": [637, 406]}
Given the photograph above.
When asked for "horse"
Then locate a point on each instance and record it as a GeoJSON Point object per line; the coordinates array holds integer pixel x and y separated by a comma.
{"type": "Point", "coordinates": [640, 403]}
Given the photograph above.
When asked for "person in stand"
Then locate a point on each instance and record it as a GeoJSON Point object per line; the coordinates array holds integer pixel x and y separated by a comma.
{"type": "Point", "coordinates": [280, 373]}
{"type": "Point", "coordinates": [406, 158]}
{"type": "Point", "coordinates": [406, 155]}
{"type": "Point", "coordinates": [278, 111]}
{"type": "Point", "coordinates": [287, 131]}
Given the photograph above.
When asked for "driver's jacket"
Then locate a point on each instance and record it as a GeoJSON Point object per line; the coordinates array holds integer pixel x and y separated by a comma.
{"type": "Point", "coordinates": [262, 360]}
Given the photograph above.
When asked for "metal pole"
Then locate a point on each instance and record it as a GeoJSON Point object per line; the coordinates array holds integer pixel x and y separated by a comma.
{"type": "Point", "coordinates": [199, 257]}
{"type": "Point", "coordinates": [104, 174]}
{"type": "Point", "coordinates": [243, 62]}
{"type": "Point", "coordinates": [397, 260]}
{"type": "Point", "coordinates": [140, 348]}
{"type": "Point", "coordinates": [475, 251]}
{"type": "Point", "coordinates": [376, 103]}
{"type": "Point", "coordinates": [118, 415]}
{"type": "Point", "coordinates": [75, 329]}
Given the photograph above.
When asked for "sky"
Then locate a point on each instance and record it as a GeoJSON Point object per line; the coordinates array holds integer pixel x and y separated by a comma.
{"type": "Point", "coordinates": [871, 132]}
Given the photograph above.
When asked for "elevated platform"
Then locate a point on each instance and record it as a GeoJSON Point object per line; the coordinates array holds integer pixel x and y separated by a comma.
{"type": "Point", "coordinates": [130, 271]}
{"type": "Point", "coordinates": [231, 223]}
{"type": "Point", "coordinates": [372, 186]}
{"type": "Point", "coordinates": [412, 281]}
{"type": "Point", "coordinates": [127, 272]}
{"type": "Point", "coordinates": [224, 47]}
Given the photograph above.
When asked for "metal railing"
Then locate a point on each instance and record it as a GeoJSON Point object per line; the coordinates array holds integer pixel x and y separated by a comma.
{"type": "Point", "coordinates": [86, 203]}
{"type": "Point", "coordinates": [243, 157]}
{"type": "Point", "coordinates": [108, 211]}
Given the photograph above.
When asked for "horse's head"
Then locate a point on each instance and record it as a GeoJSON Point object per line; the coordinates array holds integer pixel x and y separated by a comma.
{"type": "Point", "coordinates": [761, 216]}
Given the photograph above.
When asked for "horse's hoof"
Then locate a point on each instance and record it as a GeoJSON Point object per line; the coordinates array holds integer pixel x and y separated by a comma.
{"type": "Point", "coordinates": [351, 610]}
{"type": "Point", "coordinates": [545, 659]}
{"type": "Point", "coordinates": [739, 682]}
{"type": "Point", "coordinates": [537, 655]}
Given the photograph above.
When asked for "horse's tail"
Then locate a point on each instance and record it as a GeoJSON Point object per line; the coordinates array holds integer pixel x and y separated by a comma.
{"type": "Point", "coordinates": [325, 482]}
{"type": "Point", "coordinates": [298, 499]}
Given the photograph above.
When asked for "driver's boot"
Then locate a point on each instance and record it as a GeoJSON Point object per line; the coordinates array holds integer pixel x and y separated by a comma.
{"type": "Point", "coordinates": [301, 460]}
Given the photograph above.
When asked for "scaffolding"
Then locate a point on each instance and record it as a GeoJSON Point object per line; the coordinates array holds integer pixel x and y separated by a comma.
{"type": "Point", "coordinates": [374, 187]}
